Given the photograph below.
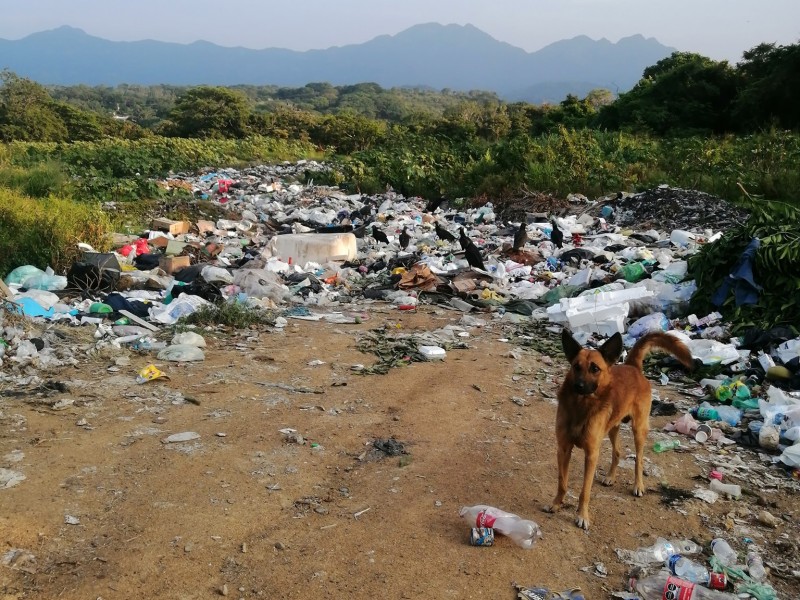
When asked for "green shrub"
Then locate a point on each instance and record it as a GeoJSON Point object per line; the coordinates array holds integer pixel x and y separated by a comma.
{"type": "Point", "coordinates": [41, 181]}
{"type": "Point", "coordinates": [45, 232]}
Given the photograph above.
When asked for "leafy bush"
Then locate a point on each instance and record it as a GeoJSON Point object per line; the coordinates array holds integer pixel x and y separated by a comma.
{"type": "Point", "coordinates": [775, 268]}
{"type": "Point", "coordinates": [45, 232]}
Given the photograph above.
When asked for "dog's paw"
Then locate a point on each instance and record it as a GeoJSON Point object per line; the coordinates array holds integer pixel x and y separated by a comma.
{"type": "Point", "coordinates": [638, 491]}
{"type": "Point", "coordinates": [582, 522]}
{"type": "Point", "coordinates": [608, 481]}
{"type": "Point", "coordinates": [551, 508]}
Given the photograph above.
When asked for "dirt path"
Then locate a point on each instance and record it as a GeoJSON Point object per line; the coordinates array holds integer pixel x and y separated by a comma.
{"type": "Point", "coordinates": [273, 519]}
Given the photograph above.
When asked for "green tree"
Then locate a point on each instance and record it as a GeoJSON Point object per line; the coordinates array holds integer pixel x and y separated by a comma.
{"type": "Point", "coordinates": [27, 112]}
{"type": "Point", "coordinates": [770, 87]}
{"type": "Point", "coordinates": [211, 112]}
{"type": "Point", "coordinates": [682, 94]}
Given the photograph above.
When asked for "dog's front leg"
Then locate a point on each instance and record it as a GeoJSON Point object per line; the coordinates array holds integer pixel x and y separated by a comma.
{"type": "Point", "coordinates": [563, 456]}
{"type": "Point", "coordinates": [589, 468]}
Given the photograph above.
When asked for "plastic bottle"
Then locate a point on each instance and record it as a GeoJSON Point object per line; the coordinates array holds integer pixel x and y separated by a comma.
{"type": "Point", "coordinates": [658, 552]}
{"type": "Point", "coordinates": [729, 414]}
{"type": "Point", "coordinates": [729, 489]}
{"type": "Point", "coordinates": [661, 586]}
{"type": "Point", "coordinates": [695, 572]}
{"type": "Point", "coordinates": [755, 566]}
{"type": "Point", "coordinates": [522, 532]}
{"type": "Point", "coordinates": [664, 445]}
{"type": "Point", "coordinates": [724, 553]}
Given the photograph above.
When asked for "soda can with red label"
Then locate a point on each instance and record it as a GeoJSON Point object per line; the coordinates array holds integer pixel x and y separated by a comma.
{"type": "Point", "coordinates": [482, 536]}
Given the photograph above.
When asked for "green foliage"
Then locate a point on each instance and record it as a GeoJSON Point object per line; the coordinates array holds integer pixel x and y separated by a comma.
{"type": "Point", "coordinates": [230, 314]}
{"type": "Point", "coordinates": [45, 232]}
{"type": "Point", "coordinates": [27, 112]}
{"type": "Point", "coordinates": [41, 181]}
{"type": "Point", "coordinates": [211, 112]}
{"type": "Point", "coordinates": [776, 267]}
{"type": "Point", "coordinates": [771, 87]}
{"type": "Point", "coordinates": [683, 94]}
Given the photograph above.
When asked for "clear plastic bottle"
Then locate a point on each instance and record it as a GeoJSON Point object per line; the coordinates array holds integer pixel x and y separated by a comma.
{"type": "Point", "coordinates": [755, 566]}
{"type": "Point", "coordinates": [724, 553]}
{"type": "Point", "coordinates": [693, 571]}
{"type": "Point", "coordinates": [523, 532]}
{"type": "Point", "coordinates": [658, 552]}
{"type": "Point", "coordinates": [663, 586]}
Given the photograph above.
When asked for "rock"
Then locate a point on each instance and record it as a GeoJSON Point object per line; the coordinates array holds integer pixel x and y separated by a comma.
{"type": "Point", "coordinates": [280, 546]}
{"type": "Point", "coordinates": [186, 436]}
{"type": "Point", "coordinates": [224, 590]}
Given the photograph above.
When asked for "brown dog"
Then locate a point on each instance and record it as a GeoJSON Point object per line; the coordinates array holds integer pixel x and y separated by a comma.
{"type": "Point", "coordinates": [596, 396]}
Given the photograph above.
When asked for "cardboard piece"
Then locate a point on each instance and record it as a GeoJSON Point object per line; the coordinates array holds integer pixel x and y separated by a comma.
{"type": "Point", "coordinates": [172, 264]}
{"type": "Point", "coordinates": [173, 227]}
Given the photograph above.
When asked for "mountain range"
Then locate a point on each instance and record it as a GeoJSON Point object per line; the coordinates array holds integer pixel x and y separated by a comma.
{"type": "Point", "coordinates": [458, 57]}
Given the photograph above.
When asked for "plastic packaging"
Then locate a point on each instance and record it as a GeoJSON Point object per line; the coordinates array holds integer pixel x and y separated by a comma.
{"type": "Point", "coordinates": [44, 281]}
{"type": "Point", "coordinates": [434, 353]}
{"type": "Point", "coordinates": [189, 338]}
{"type": "Point", "coordinates": [769, 437]}
{"type": "Point", "coordinates": [664, 445]}
{"type": "Point", "coordinates": [182, 353]}
{"type": "Point", "coordinates": [728, 489]}
{"type": "Point", "coordinates": [663, 586]}
{"type": "Point", "coordinates": [681, 238]}
{"type": "Point", "coordinates": [20, 274]}
{"type": "Point", "coordinates": [524, 533]}
{"type": "Point", "coordinates": [693, 571]}
{"type": "Point", "coordinates": [653, 322]}
{"type": "Point", "coordinates": [633, 272]}
{"type": "Point", "coordinates": [724, 553]}
{"type": "Point", "coordinates": [755, 566]}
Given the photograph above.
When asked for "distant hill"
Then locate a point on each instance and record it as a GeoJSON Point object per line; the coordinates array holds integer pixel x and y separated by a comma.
{"type": "Point", "coordinates": [440, 56]}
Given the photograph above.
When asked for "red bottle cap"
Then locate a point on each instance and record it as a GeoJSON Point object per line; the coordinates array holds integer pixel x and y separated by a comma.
{"type": "Point", "coordinates": [715, 475]}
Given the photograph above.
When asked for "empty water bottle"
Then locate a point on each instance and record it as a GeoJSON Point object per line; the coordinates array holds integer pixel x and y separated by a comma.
{"type": "Point", "coordinates": [724, 553]}
{"type": "Point", "coordinates": [524, 533]}
{"type": "Point", "coordinates": [661, 586]}
{"type": "Point", "coordinates": [755, 566]}
{"type": "Point", "coordinates": [658, 552]}
{"type": "Point", "coordinates": [693, 571]}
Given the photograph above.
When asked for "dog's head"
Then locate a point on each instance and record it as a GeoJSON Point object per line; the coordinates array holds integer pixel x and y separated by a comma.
{"type": "Point", "coordinates": [589, 369]}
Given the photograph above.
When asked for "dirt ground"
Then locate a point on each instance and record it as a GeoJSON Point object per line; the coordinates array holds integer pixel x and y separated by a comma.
{"type": "Point", "coordinates": [244, 512]}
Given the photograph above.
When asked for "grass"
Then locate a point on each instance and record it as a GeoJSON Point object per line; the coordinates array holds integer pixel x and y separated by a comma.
{"type": "Point", "coordinates": [230, 314]}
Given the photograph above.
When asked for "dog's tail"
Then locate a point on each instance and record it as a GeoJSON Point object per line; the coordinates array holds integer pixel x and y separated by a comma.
{"type": "Point", "coordinates": [659, 340]}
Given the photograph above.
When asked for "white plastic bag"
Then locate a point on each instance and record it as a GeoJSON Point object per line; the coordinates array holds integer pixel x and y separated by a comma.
{"type": "Point", "coordinates": [182, 353]}
{"type": "Point", "coordinates": [189, 338]}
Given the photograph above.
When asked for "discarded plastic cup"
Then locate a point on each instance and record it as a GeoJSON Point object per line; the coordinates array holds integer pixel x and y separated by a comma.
{"type": "Point", "coordinates": [703, 433]}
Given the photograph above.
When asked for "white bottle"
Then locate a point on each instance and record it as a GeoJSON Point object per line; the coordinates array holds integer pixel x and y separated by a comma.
{"type": "Point", "coordinates": [523, 532]}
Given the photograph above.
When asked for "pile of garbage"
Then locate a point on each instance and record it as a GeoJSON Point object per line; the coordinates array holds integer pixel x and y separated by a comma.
{"type": "Point", "coordinates": [597, 268]}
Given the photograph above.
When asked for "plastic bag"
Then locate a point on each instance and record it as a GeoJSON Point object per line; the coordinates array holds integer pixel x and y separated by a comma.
{"type": "Point", "coordinates": [216, 275]}
{"type": "Point", "coordinates": [183, 305]}
{"type": "Point", "coordinates": [182, 353]}
{"type": "Point", "coordinates": [649, 323]}
{"type": "Point", "coordinates": [43, 281]}
{"type": "Point", "coordinates": [22, 273]}
{"type": "Point", "coordinates": [189, 338]}
{"type": "Point", "coordinates": [261, 283]}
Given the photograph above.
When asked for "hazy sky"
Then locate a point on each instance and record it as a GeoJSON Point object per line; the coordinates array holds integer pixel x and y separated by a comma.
{"type": "Point", "coordinates": [720, 29]}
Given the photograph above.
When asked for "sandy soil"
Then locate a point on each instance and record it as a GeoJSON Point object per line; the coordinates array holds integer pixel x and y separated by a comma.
{"type": "Point", "coordinates": [253, 515]}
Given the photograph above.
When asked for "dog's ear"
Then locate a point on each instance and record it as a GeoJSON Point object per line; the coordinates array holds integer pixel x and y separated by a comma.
{"type": "Point", "coordinates": [570, 346]}
{"type": "Point", "coordinates": [611, 350]}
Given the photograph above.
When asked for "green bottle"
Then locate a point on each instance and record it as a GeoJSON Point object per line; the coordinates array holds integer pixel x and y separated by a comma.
{"type": "Point", "coordinates": [664, 445]}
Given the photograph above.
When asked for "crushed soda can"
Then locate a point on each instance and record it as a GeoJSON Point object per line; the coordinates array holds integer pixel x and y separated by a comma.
{"type": "Point", "coordinates": [482, 536]}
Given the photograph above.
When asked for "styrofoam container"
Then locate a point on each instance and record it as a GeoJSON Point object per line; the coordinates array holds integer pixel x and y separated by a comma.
{"type": "Point", "coordinates": [314, 247]}
{"type": "Point", "coordinates": [432, 352]}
